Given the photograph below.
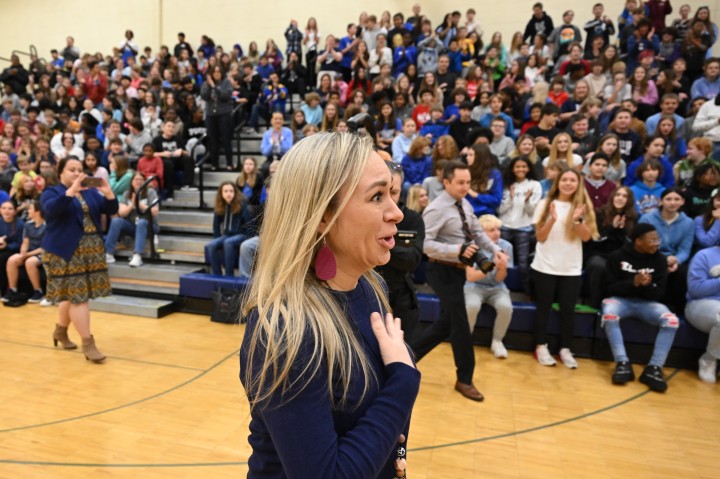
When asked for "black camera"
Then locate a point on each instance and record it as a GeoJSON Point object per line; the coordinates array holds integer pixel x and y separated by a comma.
{"type": "Point", "coordinates": [483, 263]}
{"type": "Point", "coordinates": [405, 238]}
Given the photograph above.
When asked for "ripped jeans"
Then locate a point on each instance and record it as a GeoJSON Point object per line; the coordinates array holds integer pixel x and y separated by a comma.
{"type": "Point", "coordinates": [651, 312]}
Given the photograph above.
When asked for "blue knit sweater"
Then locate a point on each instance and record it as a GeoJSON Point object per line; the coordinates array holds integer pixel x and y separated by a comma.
{"type": "Point", "coordinates": [306, 436]}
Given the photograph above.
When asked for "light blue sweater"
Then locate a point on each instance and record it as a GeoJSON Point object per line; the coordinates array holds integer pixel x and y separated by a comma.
{"type": "Point", "coordinates": [677, 237]}
{"type": "Point", "coordinates": [702, 284]}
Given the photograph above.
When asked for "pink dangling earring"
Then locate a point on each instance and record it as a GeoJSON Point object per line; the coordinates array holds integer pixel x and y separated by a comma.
{"type": "Point", "coordinates": [325, 265]}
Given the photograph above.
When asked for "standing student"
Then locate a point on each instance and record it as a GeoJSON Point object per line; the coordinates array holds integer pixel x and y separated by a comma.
{"type": "Point", "coordinates": [232, 224]}
{"type": "Point", "coordinates": [521, 195]}
{"type": "Point", "coordinates": [452, 236]}
{"type": "Point", "coordinates": [563, 221]}
{"type": "Point", "coordinates": [74, 257]}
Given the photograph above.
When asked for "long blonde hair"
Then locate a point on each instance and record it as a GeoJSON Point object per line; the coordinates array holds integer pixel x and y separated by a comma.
{"type": "Point", "coordinates": [554, 155]}
{"type": "Point", "coordinates": [580, 198]}
{"type": "Point", "coordinates": [316, 179]}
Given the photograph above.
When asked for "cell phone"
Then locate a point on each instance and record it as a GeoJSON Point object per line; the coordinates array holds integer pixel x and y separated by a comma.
{"type": "Point", "coordinates": [92, 182]}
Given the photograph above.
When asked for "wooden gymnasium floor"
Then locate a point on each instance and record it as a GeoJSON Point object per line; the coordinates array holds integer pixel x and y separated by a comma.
{"type": "Point", "coordinates": [168, 404]}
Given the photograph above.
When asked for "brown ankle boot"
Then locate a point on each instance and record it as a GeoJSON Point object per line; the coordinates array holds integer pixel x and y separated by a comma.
{"type": "Point", "coordinates": [60, 334]}
{"type": "Point", "coordinates": [91, 351]}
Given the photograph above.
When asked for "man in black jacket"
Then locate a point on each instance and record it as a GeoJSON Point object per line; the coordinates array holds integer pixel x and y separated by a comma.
{"type": "Point", "coordinates": [540, 24]}
{"type": "Point", "coordinates": [15, 76]}
{"type": "Point", "coordinates": [636, 279]}
{"type": "Point", "coordinates": [404, 260]}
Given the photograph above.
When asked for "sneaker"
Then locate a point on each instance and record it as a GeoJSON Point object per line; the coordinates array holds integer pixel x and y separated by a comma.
{"type": "Point", "coordinates": [46, 303]}
{"type": "Point", "coordinates": [623, 373]}
{"type": "Point", "coordinates": [8, 295]}
{"type": "Point", "coordinates": [654, 378]}
{"type": "Point", "coordinates": [567, 358]}
{"type": "Point", "coordinates": [136, 261]}
{"type": "Point", "coordinates": [188, 188]}
{"type": "Point", "coordinates": [156, 241]}
{"type": "Point", "coordinates": [36, 297]}
{"type": "Point", "coordinates": [706, 369]}
{"type": "Point", "coordinates": [498, 349]}
{"type": "Point", "coordinates": [543, 356]}
{"type": "Point", "coordinates": [109, 259]}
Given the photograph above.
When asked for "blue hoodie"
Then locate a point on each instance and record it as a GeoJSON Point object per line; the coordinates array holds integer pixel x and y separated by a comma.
{"type": "Point", "coordinates": [646, 199]}
{"type": "Point", "coordinates": [706, 239]}
{"type": "Point", "coordinates": [677, 237]}
{"type": "Point", "coordinates": [488, 203]}
{"type": "Point", "coordinates": [667, 178]}
{"type": "Point", "coordinates": [416, 169]}
{"type": "Point", "coordinates": [701, 283]}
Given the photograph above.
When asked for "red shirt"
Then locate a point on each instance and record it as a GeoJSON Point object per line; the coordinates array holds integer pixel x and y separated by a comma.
{"type": "Point", "coordinates": [421, 115]}
{"type": "Point", "coordinates": [152, 167]}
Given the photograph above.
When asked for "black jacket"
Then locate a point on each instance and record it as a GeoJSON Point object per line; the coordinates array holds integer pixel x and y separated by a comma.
{"type": "Point", "coordinates": [404, 260]}
{"type": "Point", "coordinates": [625, 263]}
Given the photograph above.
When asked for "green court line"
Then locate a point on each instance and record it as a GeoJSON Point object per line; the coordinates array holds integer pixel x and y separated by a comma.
{"type": "Point", "coordinates": [123, 406]}
{"type": "Point", "coordinates": [419, 449]}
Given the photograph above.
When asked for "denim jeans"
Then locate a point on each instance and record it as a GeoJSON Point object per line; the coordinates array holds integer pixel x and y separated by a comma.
{"type": "Point", "coordinates": [523, 240]}
{"type": "Point", "coordinates": [119, 226]}
{"type": "Point", "coordinates": [223, 250]}
{"type": "Point", "coordinates": [248, 249]}
{"type": "Point", "coordinates": [704, 314]}
{"type": "Point", "coordinates": [497, 297]}
{"type": "Point", "coordinates": [653, 313]}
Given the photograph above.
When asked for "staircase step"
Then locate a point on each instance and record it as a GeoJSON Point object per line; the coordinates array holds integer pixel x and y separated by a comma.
{"type": "Point", "coordinates": [211, 179]}
{"type": "Point", "coordinates": [145, 307]}
{"type": "Point", "coordinates": [160, 272]}
{"type": "Point", "coordinates": [170, 256]}
{"type": "Point", "coordinates": [130, 286]}
{"type": "Point", "coordinates": [185, 221]}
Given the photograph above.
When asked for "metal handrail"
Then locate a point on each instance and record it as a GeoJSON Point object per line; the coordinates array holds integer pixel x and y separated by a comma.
{"type": "Point", "coordinates": [199, 166]}
{"type": "Point", "coordinates": [148, 213]}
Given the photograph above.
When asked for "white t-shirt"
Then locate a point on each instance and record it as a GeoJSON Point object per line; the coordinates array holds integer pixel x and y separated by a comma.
{"type": "Point", "coordinates": [577, 161]}
{"type": "Point", "coordinates": [557, 255]}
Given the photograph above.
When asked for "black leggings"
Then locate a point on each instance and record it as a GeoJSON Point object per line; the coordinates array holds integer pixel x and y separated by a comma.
{"type": "Point", "coordinates": [548, 287]}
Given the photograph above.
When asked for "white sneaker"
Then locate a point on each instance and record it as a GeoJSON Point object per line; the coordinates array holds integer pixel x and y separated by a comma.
{"type": "Point", "coordinates": [706, 370]}
{"type": "Point", "coordinates": [136, 261]}
{"type": "Point", "coordinates": [567, 359]}
{"type": "Point", "coordinates": [498, 349]}
{"type": "Point", "coordinates": [109, 259]}
{"type": "Point", "coordinates": [156, 241]}
{"type": "Point", "coordinates": [188, 188]}
{"type": "Point", "coordinates": [45, 303]}
{"type": "Point", "coordinates": [543, 356]}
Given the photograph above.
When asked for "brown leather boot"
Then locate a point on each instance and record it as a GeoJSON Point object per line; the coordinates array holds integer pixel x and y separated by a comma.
{"type": "Point", "coordinates": [60, 334]}
{"type": "Point", "coordinates": [91, 351]}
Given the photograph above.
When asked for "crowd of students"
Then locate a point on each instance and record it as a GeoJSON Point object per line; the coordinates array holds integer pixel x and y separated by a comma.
{"type": "Point", "coordinates": [627, 110]}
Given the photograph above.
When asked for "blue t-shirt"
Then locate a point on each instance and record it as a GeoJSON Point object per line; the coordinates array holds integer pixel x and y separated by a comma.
{"type": "Point", "coordinates": [34, 233]}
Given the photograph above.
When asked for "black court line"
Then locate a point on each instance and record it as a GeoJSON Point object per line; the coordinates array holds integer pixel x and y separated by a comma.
{"type": "Point", "coordinates": [419, 449]}
{"type": "Point", "coordinates": [117, 358]}
{"type": "Point", "coordinates": [123, 406]}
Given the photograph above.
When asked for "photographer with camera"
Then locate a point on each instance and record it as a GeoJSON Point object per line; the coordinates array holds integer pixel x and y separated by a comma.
{"type": "Point", "coordinates": [453, 239]}
{"type": "Point", "coordinates": [404, 259]}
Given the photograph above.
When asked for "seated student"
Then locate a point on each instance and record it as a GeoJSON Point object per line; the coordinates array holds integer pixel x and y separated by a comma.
{"type": "Point", "coordinates": [675, 145]}
{"type": "Point", "coordinates": [132, 220]}
{"type": "Point", "coordinates": [92, 167]}
{"type": "Point", "coordinates": [699, 193]}
{"type": "Point", "coordinates": [545, 131]}
{"type": "Point", "coordinates": [273, 99]}
{"type": "Point", "coordinates": [250, 181]}
{"type": "Point", "coordinates": [496, 105]}
{"type": "Point", "coordinates": [460, 128]}
{"type": "Point", "coordinates": [482, 106]}
{"type": "Point", "coordinates": [557, 93]}
{"type": "Point", "coordinates": [703, 307]}
{"type": "Point", "coordinates": [115, 148]}
{"type": "Point", "coordinates": [677, 233]}
{"type": "Point", "coordinates": [654, 150]}
{"type": "Point", "coordinates": [561, 151]}
{"type": "Point", "coordinates": [417, 164]}
{"type": "Point", "coordinates": [551, 174]}
{"type": "Point", "coordinates": [11, 231]}
{"type": "Point", "coordinates": [598, 187]}
{"type": "Point", "coordinates": [232, 224]}
{"type": "Point", "coordinates": [521, 195]}
{"type": "Point", "coordinates": [436, 126]}
{"type": "Point", "coordinates": [501, 145]}
{"type": "Point", "coordinates": [401, 143]}
{"type": "Point", "coordinates": [698, 152]}
{"type": "Point", "coordinates": [636, 282]}
{"type": "Point", "coordinates": [452, 111]}
{"type": "Point", "coordinates": [434, 184]}
{"type": "Point", "coordinates": [486, 187]}
{"type": "Point", "coordinates": [615, 221]}
{"type": "Point", "coordinates": [616, 166]}
{"type": "Point", "coordinates": [30, 256]}
{"type": "Point", "coordinates": [312, 109]}
{"type": "Point", "coordinates": [24, 168]}
{"type": "Point", "coordinates": [490, 287]}
{"type": "Point", "coordinates": [668, 106]}
{"type": "Point", "coordinates": [24, 195]}
{"type": "Point", "coordinates": [277, 140]}
{"type": "Point", "coordinates": [151, 165]}
{"type": "Point", "coordinates": [120, 175]}
{"type": "Point", "coordinates": [387, 126]}
{"type": "Point", "coordinates": [421, 112]}
{"type": "Point", "coordinates": [647, 190]}
{"type": "Point", "coordinates": [630, 142]}
{"type": "Point", "coordinates": [583, 142]}
{"type": "Point", "coordinates": [707, 226]}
